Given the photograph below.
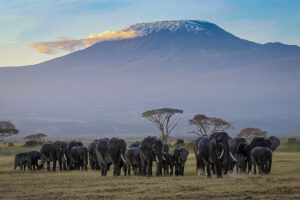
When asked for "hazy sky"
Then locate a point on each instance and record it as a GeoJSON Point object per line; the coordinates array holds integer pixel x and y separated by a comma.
{"type": "Point", "coordinates": [24, 23]}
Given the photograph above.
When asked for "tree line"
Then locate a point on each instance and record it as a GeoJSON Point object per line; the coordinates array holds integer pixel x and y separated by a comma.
{"type": "Point", "coordinates": [164, 119]}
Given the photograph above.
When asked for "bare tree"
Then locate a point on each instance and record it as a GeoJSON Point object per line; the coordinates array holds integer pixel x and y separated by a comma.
{"type": "Point", "coordinates": [250, 133]}
{"type": "Point", "coordinates": [7, 129]}
{"type": "Point", "coordinates": [162, 119]}
{"type": "Point", "coordinates": [208, 125]}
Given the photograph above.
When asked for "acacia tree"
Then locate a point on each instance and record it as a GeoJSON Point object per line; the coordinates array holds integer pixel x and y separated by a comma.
{"type": "Point", "coordinates": [36, 138]}
{"type": "Point", "coordinates": [250, 133]}
{"type": "Point", "coordinates": [162, 119]}
{"type": "Point", "coordinates": [7, 129]}
{"type": "Point", "coordinates": [208, 125]}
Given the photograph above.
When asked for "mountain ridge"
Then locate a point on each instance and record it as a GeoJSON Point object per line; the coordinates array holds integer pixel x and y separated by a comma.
{"type": "Point", "coordinates": [111, 83]}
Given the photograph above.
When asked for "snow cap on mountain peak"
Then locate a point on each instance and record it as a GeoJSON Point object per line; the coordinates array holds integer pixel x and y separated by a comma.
{"type": "Point", "coordinates": [193, 26]}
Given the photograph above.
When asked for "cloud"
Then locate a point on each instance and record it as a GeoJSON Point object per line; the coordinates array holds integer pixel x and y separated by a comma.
{"type": "Point", "coordinates": [67, 44]}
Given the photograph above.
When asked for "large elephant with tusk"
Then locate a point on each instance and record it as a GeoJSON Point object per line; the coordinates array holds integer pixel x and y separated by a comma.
{"type": "Point", "coordinates": [53, 152]}
{"type": "Point", "coordinates": [111, 151]}
{"type": "Point", "coordinates": [236, 144]}
{"type": "Point", "coordinates": [151, 150]}
{"type": "Point", "coordinates": [214, 151]}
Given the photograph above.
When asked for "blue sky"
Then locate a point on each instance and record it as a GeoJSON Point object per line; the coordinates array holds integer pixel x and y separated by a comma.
{"type": "Point", "coordinates": [23, 22]}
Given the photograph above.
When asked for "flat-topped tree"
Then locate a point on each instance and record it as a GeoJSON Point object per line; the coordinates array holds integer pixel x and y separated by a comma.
{"type": "Point", "coordinates": [250, 133]}
{"type": "Point", "coordinates": [208, 125]}
{"type": "Point", "coordinates": [162, 119]}
{"type": "Point", "coordinates": [37, 138]}
{"type": "Point", "coordinates": [7, 129]}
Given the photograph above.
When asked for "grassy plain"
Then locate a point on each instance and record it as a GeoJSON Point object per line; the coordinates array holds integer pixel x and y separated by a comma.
{"type": "Point", "coordinates": [282, 183]}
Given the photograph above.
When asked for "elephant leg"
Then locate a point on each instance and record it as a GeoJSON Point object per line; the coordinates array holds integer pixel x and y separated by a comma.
{"type": "Point", "coordinates": [249, 166]}
{"type": "Point", "coordinates": [143, 168]}
{"type": "Point", "coordinates": [176, 170]}
{"type": "Point", "coordinates": [128, 169]}
{"type": "Point", "coordinates": [182, 171]}
{"type": "Point", "coordinates": [149, 168]}
{"type": "Point", "coordinates": [48, 165]}
{"type": "Point", "coordinates": [167, 171]}
{"type": "Point", "coordinates": [213, 168]}
{"type": "Point", "coordinates": [269, 167]}
{"type": "Point", "coordinates": [103, 170]}
{"type": "Point", "coordinates": [208, 174]}
{"type": "Point", "coordinates": [60, 164]}
{"type": "Point", "coordinates": [65, 165]}
{"type": "Point", "coordinates": [254, 168]}
{"type": "Point", "coordinates": [54, 165]}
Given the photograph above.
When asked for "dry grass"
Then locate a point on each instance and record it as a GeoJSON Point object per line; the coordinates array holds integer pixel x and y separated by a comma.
{"type": "Point", "coordinates": [283, 183]}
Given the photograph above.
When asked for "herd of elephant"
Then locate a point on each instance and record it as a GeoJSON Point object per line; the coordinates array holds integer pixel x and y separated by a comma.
{"type": "Point", "coordinates": [221, 154]}
{"type": "Point", "coordinates": [217, 152]}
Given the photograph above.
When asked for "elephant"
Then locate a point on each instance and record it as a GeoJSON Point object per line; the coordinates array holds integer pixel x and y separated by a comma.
{"type": "Point", "coordinates": [92, 155]}
{"type": "Point", "coordinates": [56, 151]}
{"type": "Point", "coordinates": [151, 150]}
{"type": "Point", "coordinates": [133, 160]}
{"type": "Point", "coordinates": [241, 163]}
{"type": "Point", "coordinates": [135, 144]}
{"type": "Point", "coordinates": [235, 145]}
{"type": "Point", "coordinates": [199, 162]}
{"type": "Point", "coordinates": [167, 162]}
{"type": "Point", "coordinates": [166, 148]}
{"type": "Point", "coordinates": [22, 160]}
{"type": "Point", "coordinates": [245, 150]}
{"type": "Point", "coordinates": [74, 144]}
{"type": "Point", "coordinates": [275, 142]}
{"type": "Point", "coordinates": [69, 147]}
{"type": "Point", "coordinates": [180, 155]}
{"type": "Point", "coordinates": [79, 157]}
{"type": "Point", "coordinates": [35, 156]}
{"type": "Point", "coordinates": [111, 151]}
{"type": "Point", "coordinates": [214, 150]}
{"type": "Point", "coordinates": [262, 157]}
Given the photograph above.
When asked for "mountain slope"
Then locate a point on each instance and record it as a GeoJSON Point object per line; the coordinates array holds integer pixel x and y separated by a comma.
{"type": "Point", "coordinates": [192, 65]}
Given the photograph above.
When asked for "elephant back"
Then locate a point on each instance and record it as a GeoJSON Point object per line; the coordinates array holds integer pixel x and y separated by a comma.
{"type": "Point", "coordinates": [73, 144]}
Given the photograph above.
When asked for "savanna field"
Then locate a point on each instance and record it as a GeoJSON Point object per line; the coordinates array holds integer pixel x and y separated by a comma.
{"type": "Point", "coordinates": [282, 183]}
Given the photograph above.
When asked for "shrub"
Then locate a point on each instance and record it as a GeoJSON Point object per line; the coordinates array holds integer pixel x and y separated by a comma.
{"type": "Point", "coordinates": [32, 143]}
{"type": "Point", "coordinates": [10, 144]}
{"type": "Point", "coordinates": [292, 140]}
{"type": "Point", "coordinates": [179, 142]}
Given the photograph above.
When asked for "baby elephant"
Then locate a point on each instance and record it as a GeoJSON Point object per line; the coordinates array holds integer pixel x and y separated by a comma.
{"type": "Point", "coordinates": [262, 157]}
{"type": "Point", "coordinates": [180, 155]}
{"type": "Point", "coordinates": [35, 156]}
{"type": "Point", "coordinates": [78, 158]}
{"type": "Point", "coordinates": [22, 160]}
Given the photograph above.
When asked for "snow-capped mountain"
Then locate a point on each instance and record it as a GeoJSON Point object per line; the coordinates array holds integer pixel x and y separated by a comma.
{"type": "Point", "coordinates": [191, 26]}
{"type": "Point", "coordinates": [192, 65]}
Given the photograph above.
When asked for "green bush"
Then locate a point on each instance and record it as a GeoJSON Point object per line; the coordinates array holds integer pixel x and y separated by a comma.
{"type": "Point", "coordinates": [179, 142]}
{"type": "Point", "coordinates": [292, 140]}
{"type": "Point", "coordinates": [10, 144]}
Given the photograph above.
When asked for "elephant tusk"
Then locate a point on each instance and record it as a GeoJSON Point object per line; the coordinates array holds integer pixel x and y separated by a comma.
{"type": "Point", "coordinates": [122, 157]}
{"type": "Point", "coordinates": [233, 158]}
{"type": "Point", "coordinates": [65, 156]}
{"type": "Point", "coordinates": [221, 153]}
{"type": "Point", "coordinates": [157, 159]}
{"type": "Point", "coordinates": [164, 158]}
